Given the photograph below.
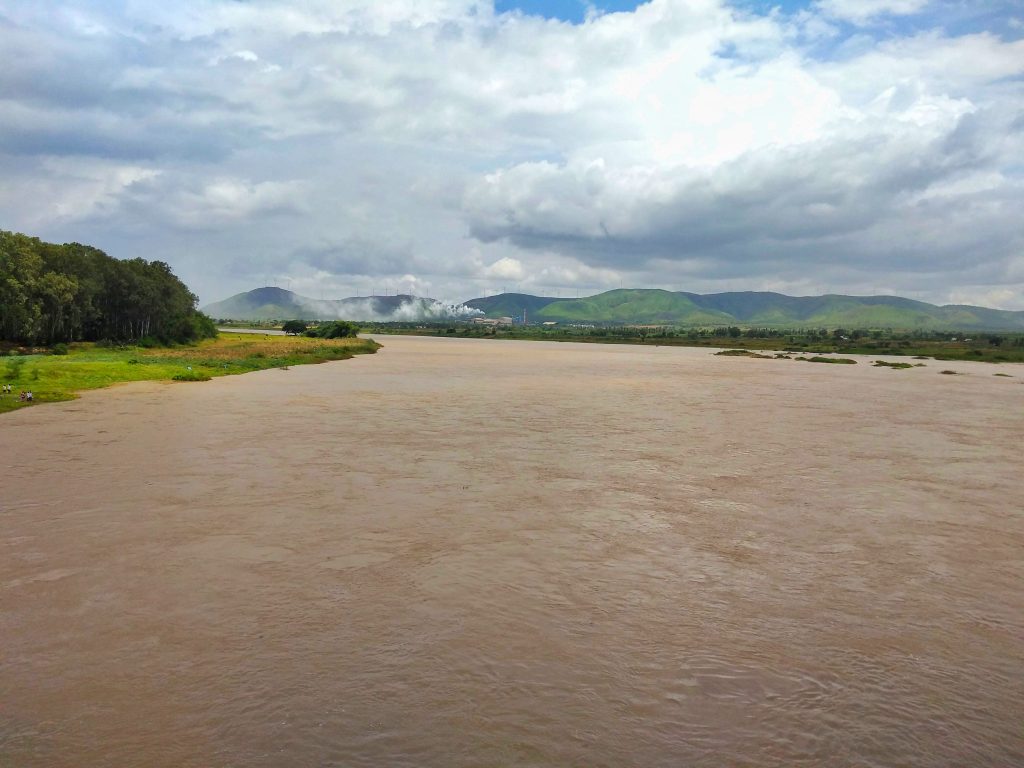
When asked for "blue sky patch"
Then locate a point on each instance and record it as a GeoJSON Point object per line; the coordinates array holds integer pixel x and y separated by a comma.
{"type": "Point", "coordinates": [566, 10]}
{"type": "Point", "coordinates": [1002, 17]}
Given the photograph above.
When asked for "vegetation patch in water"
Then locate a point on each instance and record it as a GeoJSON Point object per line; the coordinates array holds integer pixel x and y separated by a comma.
{"type": "Point", "coordinates": [742, 353]}
{"type": "Point", "coordinates": [834, 360]}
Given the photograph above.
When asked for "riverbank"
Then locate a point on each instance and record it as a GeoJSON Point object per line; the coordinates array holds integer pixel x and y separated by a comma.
{"type": "Point", "coordinates": [55, 378]}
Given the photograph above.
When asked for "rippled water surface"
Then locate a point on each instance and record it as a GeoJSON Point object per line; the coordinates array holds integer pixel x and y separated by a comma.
{"type": "Point", "coordinates": [469, 553]}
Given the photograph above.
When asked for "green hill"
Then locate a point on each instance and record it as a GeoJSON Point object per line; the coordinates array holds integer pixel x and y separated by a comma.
{"type": "Point", "coordinates": [511, 304]}
{"type": "Point", "coordinates": [750, 308]}
{"type": "Point", "coordinates": [260, 304]}
{"type": "Point", "coordinates": [635, 305]}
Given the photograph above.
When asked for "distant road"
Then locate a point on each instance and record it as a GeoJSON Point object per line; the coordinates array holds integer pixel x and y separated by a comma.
{"type": "Point", "coordinates": [270, 332]}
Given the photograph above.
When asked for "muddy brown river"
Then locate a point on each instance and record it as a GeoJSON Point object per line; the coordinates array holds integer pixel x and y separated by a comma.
{"type": "Point", "coordinates": [487, 553]}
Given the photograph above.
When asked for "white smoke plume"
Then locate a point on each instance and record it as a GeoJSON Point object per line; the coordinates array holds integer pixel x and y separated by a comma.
{"type": "Point", "coordinates": [391, 309]}
{"type": "Point", "coordinates": [431, 309]}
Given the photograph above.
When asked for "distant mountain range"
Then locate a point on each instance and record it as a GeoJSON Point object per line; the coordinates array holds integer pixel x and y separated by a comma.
{"type": "Point", "coordinates": [632, 306]}
{"type": "Point", "coordinates": [749, 308]}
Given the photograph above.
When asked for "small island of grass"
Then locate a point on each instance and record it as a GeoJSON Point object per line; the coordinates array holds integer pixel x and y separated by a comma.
{"type": "Point", "coordinates": [833, 360]}
{"type": "Point", "coordinates": [897, 366]}
{"type": "Point", "coordinates": [742, 353]}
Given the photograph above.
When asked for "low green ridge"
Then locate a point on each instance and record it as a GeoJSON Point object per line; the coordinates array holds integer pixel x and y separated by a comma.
{"type": "Point", "coordinates": [748, 308]}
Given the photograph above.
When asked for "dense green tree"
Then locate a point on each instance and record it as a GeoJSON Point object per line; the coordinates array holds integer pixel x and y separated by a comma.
{"type": "Point", "coordinates": [294, 326]}
{"type": "Point", "coordinates": [336, 329]}
{"type": "Point", "coordinates": [59, 293]}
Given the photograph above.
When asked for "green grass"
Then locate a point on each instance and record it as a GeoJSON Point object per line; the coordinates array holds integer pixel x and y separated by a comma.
{"type": "Point", "coordinates": [53, 378]}
{"type": "Point", "coordinates": [883, 364]}
{"type": "Point", "coordinates": [191, 376]}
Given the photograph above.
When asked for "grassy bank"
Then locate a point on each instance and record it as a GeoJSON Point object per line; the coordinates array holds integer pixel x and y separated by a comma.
{"type": "Point", "coordinates": [53, 378]}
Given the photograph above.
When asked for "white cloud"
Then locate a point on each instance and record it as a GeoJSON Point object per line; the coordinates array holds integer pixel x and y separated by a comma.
{"type": "Point", "coordinates": [68, 191]}
{"type": "Point", "coordinates": [440, 146]}
{"type": "Point", "coordinates": [248, 56]}
{"type": "Point", "coordinates": [217, 203]}
{"type": "Point", "coordinates": [999, 298]}
{"type": "Point", "coordinates": [505, 268]}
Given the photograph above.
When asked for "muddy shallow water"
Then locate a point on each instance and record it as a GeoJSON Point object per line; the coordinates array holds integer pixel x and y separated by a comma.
{"type": "Point", "coordinates": [466, 553]}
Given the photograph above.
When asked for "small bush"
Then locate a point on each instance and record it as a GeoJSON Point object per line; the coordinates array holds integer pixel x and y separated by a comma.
{"type": "Point", "coordinates": [949, 373]}
{"type": "Point", "coordinates": [14, 367]}
{"type": "Point", "coordinates": [336, 329]}
{"type": "Point", "coordinates": [111, 344]}
{"type": "Point", "coordinates": [191, 376]}
{"type": "Point", "coordinates": [148, 342]}
{"type": "Point", "coordinates": [59, 349]}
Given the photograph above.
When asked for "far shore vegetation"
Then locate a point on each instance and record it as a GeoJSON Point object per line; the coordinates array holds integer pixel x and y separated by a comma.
{"type": "Point", "coordinates": [989, 347]}
{"type": "Point", "coordinates": [55, 374]}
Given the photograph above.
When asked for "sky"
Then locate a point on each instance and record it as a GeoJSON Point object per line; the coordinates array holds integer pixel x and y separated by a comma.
{"type": "Point", "coordinates": [460, 148]}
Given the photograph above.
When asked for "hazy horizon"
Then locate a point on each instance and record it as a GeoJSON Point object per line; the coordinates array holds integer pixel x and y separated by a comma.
{"type": "Point", "coordinates": [581, 295]}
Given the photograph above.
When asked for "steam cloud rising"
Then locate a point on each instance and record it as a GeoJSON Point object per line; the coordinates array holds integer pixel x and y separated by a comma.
{"type": "Point", "coordinates": [385, 309]}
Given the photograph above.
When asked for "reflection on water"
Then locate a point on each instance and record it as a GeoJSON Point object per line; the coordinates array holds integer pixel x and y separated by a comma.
{"type": "Point", "coordinates": [461, 553]}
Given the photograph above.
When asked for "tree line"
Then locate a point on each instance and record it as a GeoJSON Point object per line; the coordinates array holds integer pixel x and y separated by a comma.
{"type": "Point", "coordinates": [333, 329]}
{"type": "Point", "coordinates": [60, 293]}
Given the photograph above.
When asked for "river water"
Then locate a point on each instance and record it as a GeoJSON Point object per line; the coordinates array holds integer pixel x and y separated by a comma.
{"type": "Point", "coordinates": [474, 553]}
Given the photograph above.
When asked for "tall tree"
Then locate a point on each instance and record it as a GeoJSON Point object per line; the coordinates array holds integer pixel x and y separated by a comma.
{"type": "Point", "coordinates": [51, 293]}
